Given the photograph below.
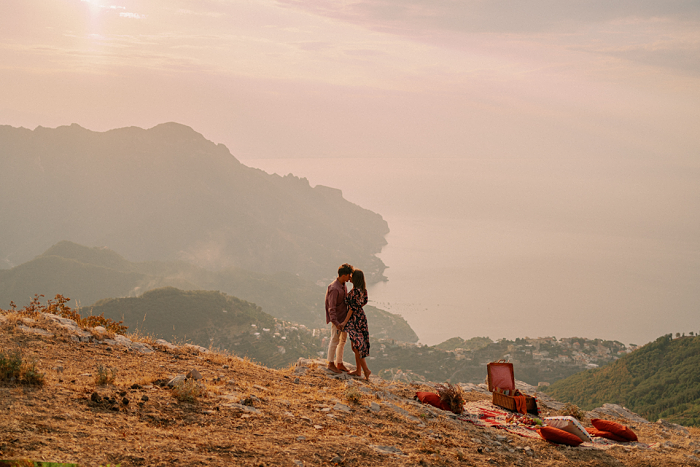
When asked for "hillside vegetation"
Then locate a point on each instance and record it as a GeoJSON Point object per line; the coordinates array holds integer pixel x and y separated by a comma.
{"type": "Point", "coordinates": [659, 380]}
{"type": "Point", "coordinates": [88, 275]}
{"type": "Point", "coordinates": [167, 193]}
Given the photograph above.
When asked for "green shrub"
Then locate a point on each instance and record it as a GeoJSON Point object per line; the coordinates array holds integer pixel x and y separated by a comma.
{"type": "Point", "coordinates": [10, 365]}
{"type": "Point", "coordinates": [13, 369]}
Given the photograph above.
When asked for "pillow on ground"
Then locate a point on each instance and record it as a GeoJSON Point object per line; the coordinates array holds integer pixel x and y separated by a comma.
{"type": "Point", "coordinates": [606, 434]}
{"type": "Point", "coordinates": [432, 399]}
{"type": "Point", "coordinates": [614, 428]}
{"type": "Point", "coordinates": [559, 436]}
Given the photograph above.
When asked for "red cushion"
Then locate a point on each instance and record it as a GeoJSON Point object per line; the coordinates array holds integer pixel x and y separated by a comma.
{"type": "Point", "coordinates": [614, 428]}
{"type": "Point", "coordinates": [559, 436]}
{"type": "Point", "coordinates": [432, 399]}
{"type": "Point", "coordinates": [606, 434]}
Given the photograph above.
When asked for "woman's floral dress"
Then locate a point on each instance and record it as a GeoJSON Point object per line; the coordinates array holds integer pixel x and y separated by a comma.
{"type": "Point", "coordinates": [356, 327]}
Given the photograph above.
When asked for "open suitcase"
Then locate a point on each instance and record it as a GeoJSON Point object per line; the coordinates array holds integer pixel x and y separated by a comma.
{"type": "Point", "coordinates": [501, 378]}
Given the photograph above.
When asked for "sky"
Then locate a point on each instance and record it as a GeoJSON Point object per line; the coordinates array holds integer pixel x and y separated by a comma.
{"type": "Point", "coordinates": [576, 118]}
{"type": "Point", "coordinates": [408, 78]}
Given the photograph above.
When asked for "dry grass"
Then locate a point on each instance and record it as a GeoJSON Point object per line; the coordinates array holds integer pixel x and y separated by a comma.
{"type": "Point", "coordinates": [136, 421]}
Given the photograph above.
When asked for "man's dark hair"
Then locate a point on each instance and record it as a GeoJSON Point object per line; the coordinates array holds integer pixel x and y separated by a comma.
{"type": "Point", "coordinates": [345, 269]}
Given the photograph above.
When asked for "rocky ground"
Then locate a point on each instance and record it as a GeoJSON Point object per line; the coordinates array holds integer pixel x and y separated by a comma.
{"type": "Point", "coordinates": [239, 413]}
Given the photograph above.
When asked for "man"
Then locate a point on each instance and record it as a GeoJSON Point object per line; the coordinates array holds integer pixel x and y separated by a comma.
{"type": "Point", "coordinates": [336, 311]}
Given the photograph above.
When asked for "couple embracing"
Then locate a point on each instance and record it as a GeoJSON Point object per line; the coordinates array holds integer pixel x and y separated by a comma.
{"type": "Point", "coordinates": [344, 312]}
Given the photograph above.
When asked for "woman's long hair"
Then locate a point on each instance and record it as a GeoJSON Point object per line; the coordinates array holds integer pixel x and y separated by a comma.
{"type": "Point", "coordinates": [358, 280]}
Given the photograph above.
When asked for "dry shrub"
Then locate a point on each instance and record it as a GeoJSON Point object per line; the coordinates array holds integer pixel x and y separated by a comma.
{"type": "Point", "coordinates": [353, 395]}
{"type": "Point", "coordinates": [452, 395]}
{"type": "Point", "coordinates": [105, 375]}
{"type": "Point", "coordinates": [59, 308]}
{"type": "Point", "coordinates": [138, 336]}
{"type": "Point", "coordinates": [572, 410]}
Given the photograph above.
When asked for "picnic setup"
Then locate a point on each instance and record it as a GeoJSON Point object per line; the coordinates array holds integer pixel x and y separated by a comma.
{"type": "Point", "coordinates": [518, 413]}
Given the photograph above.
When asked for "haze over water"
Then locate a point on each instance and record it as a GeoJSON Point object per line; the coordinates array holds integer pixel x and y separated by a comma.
{"type": "Point", "coordinates": [499, 248]}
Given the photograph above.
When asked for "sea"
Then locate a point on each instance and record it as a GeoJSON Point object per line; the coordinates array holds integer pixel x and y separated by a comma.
{"type": "Point", "coordinates": [504, 248]}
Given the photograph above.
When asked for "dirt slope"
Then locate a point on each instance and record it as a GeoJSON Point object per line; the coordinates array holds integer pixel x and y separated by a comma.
{"type": "Point", "coordinates": [294, 417]}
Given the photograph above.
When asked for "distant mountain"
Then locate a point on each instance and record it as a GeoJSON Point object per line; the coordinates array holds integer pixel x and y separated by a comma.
{"type": "Point", "coordinates": [166, 194]}
{"type": "Point", "coordinates": [659, 380]}
{"type": "Point", "coordinates": [87, 275]}
{"type": "Point", "coordinates": [475, 343]}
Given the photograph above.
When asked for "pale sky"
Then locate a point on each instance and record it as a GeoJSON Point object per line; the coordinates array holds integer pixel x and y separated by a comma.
{"type": "Point", "coordinates": [579, 117]}
{"type": "Point", "coordinates": [329, 78]}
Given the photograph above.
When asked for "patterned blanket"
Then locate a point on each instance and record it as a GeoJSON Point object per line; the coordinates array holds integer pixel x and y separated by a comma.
{"type": "Point", "coordinates": [484, 414]}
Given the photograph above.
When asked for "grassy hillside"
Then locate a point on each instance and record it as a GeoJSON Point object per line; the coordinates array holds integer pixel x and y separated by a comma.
{"type": "Point", "coordinates": [659, 380]}
{"type": "Point", "coordinates": [87, 275]}
{"type": "Point", "coordinates": [242, 414]}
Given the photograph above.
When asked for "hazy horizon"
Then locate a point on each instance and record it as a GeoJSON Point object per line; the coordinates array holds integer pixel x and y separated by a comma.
{"type": "Point", "coordinates": [558, 139]}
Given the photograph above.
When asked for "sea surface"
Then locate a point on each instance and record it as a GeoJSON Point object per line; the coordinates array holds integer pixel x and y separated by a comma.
{"type": "Point", "coordinates": [506, 248]}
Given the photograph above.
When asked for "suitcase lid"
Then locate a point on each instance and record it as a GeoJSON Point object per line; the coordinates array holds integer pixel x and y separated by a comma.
{"type": "Point", "coordinates": [500, 375]}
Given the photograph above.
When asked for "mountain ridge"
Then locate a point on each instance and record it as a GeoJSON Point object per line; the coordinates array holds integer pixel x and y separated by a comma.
{"type": "Point", "coordinates": [168, 193]}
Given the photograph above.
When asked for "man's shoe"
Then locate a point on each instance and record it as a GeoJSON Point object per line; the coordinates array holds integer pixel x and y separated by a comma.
{"type": "Point", "coordinates": [341, 367]}
{"type": "Point", "coordinates": [333, 368]}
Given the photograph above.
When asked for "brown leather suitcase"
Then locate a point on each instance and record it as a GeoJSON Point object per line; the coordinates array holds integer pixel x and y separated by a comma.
{"type": "Point", "coordinates": [501, 377]}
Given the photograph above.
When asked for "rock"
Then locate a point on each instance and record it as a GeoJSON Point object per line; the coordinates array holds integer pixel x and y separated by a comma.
{"type": "Point", "coordinates": [95, 397]}
{"type": "Point", "coordinates": [225, 367]}
{"type": "Point", "coordinates": [100, 329]}
{"type": "Point", "coordinates": [374, 407]}
{"type": "Point", "coordinates": [615, 411]}
{"type": "Point", "coordinates": [41, 332]}
{"type": "Point", "coordinates": [193, 374]}
{"type": "Point", "coordinates": [141, 347]}
{"type": "Point", "coordinates": [59, 369]}
{"type": "Point", "coordinates": [175, 381]}
{"type": "Point", "coordinates": [318, 427]}
{"type": "Point", "coordinates": [387, 450]}
{"type": "Point", "coordinates": [165, 343]}
{"type": "Point", "coordinates": [144, 398]}
{"type": "Point", "coordinates": [242, 408]}
{"type": "Point", "coordinates": [402, 412]}
{"type": "Point", "coordinates": [135, 386]}
{"type": "Point", "coordinates": [260, 388]}
{"type": "Point", "coordinates": [296, 380]}
{"type": "Point", "coordinates": [342, 408]}
{"type": "Point", "coordinates": [336, 460]}
{"type": "Point", "coordinates": [298, 463]}
{"type": "Point", "coordinates": [197, 348]}
{"type": "Point", "coordinates": [673, 426]}
{"type": "Point", "coordinates": [125, 401]}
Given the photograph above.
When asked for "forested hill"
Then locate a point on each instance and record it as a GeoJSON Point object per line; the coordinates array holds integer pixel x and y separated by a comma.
{"type": "Point", "coordinates": [86, 275]}
{"type": "Point", "coordinates": [659, 380]}
{"type": "Point", "coordinates": [167, 193]}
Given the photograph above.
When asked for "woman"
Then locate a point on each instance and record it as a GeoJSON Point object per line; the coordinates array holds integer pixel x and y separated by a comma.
{"type": "Point", "coordinates": [355, 323]}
